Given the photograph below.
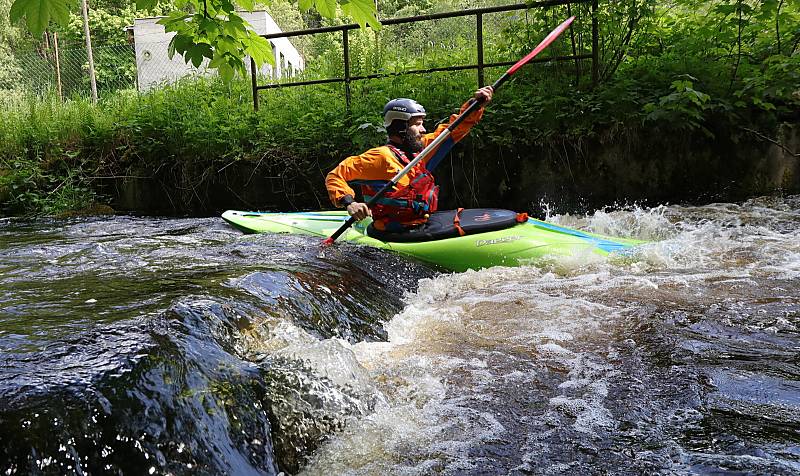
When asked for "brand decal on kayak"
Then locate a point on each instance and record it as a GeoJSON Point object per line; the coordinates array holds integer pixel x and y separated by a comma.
{"type": "Point", "coordinates": [497, 241]}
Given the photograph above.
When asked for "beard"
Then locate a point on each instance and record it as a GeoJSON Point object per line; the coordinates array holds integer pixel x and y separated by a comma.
{"type": "Point", "coordinates": [412, 142]}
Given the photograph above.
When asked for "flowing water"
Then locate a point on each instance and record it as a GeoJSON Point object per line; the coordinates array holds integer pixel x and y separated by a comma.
{"type": "Point", "coordinates": [180, 346]}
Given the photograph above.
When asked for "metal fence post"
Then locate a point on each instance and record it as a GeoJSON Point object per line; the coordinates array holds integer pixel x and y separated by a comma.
{"type": "Point", "coordinates": [346, 44]}
{"type": "Point", "coordinates": [479, 26]}
{"type": "Point", "coordinates": [481, 60]}
{"type": "Point", "coordinates": [595, 47]}
{"type": "Point", "coordinates": [255, 83]}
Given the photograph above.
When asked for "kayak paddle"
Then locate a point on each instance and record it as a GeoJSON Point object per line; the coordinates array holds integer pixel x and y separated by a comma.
{"type": "Point", "coordinates": [474, 104]}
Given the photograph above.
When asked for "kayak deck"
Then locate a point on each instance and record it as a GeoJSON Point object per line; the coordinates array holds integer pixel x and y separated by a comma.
{"type": "Point", "coordinates": [517, 245]}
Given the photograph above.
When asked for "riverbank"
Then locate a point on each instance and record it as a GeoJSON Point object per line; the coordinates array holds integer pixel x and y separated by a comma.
{"type": "Point", "coordinates": [198, 147]}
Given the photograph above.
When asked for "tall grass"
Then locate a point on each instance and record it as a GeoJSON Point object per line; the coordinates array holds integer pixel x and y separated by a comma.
{"type": "Point", "coordinates": [196, 127]}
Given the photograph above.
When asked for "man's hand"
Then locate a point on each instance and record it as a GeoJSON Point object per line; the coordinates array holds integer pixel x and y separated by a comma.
{"type": "Point", "coordinates": [359, 210]}
{"type": "Point", "coordinates": [484, 94]}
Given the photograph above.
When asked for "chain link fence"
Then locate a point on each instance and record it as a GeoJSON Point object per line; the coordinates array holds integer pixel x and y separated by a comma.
{"type": "Point", "coordinates": [117, 67]}
{"type": "Point", "coordinates": [66, 71]}
{"type": "Point", "coordinates": [396, 48]}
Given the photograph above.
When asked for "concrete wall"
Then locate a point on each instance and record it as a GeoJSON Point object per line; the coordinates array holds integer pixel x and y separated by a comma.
{"type": "Point", "coordinates": [634, 166]}
{"type": "Point", "coordinates": [154, 67]}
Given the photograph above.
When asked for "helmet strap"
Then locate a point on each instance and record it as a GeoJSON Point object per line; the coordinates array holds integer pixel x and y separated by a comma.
{"type": "Point", "coordinates": [394, 130]}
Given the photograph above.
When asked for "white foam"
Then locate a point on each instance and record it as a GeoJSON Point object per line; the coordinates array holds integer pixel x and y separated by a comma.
{"type": "Point", "coordinates": [461, 335]}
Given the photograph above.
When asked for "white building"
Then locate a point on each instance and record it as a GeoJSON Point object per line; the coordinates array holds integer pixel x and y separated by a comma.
{"type": "Point", "coordinates": [153, 66]}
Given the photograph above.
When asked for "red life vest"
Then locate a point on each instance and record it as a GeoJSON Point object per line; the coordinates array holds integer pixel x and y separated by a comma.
{"type": "Point", "coordinates": [408, 205]}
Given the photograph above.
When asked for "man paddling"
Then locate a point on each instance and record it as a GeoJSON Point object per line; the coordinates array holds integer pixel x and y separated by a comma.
{"type": "Point", "coordinates": [409, 205]}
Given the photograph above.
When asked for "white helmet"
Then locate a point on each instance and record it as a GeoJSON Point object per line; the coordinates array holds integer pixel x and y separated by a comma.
{"type": "Point", "coordinates": [401, 109]}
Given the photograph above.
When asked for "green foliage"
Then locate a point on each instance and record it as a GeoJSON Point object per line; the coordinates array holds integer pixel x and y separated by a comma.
{"type": "Point", "coordinates": [41, 168]}
{"type": "Point", "coordinates": [775, 87]}
{"type": "Point", "coordinates": [684, 106]}
{"type": "Point", "coordinates": [39, 13]}
{"type": "Point", "coordinates": [191, 130]}
{"type": "Point", "coordinates": [107, 24]}
{"type": "Point", "coordinates": [216, 33]}
{"type": "Point", "coordinates": [28, 187]}
{"type": "Point", "coordinates": [206, 30]}
{"type": "Point", "coordinates": [10, 72]}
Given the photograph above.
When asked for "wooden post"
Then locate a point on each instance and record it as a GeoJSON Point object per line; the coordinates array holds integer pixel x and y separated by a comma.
{"type": "Point", "coordinates": [58, 65]}
{"type": "Point", "coordinates": [92, 80]}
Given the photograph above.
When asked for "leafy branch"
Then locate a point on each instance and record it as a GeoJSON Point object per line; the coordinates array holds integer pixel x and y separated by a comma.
{"type": "Point", "coordinates": [210, 31]}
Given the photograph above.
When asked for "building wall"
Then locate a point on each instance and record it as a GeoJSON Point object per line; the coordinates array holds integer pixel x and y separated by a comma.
{"type": "Point", "coordinates": [154, 66]}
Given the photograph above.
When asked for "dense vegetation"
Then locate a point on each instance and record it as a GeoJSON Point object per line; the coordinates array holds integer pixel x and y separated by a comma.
{"type": "Point", "coordinates": [674, 69]}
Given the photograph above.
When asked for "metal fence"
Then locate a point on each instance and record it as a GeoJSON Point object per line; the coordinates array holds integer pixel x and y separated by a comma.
{"type": "Point", "coordinates": [437, 43]}
{"type": "Point", "coordinates": [65, 71]}
{"type": "Point", "coordinates": [579, 49]}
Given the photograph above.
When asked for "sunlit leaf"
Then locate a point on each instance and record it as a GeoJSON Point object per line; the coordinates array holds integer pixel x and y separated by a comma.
{"type": "Point", "coordinates": [260, 50]}
{"type": "Point", "coordinates": [209, 27]}
{"type": "Point", "coordinates": [226, 44]}
{"type": "Point", "coordinates": [326, 8]}
{"type": "Point", "coordinates": [217, 61]}
{"type": "Point", "coordinates": [248, 5]}
{"type": "Point", "coordinates": [38, 13]}
{"type": "Point", "coordinates": [305, 5]}
{"type": "Point", "coordinates": [225, 72]}
{"type": "Point", "coordinates": [362, 11]}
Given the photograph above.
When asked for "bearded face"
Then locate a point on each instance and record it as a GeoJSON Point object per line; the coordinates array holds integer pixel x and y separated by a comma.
{"type": "Point", "coordinates": [412, 140]}
{"type": "Point", "coordinates": [412, 137]}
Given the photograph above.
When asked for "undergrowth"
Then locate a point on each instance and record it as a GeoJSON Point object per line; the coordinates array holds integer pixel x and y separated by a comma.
{"type": "Point", "coordinates": [55, 155]}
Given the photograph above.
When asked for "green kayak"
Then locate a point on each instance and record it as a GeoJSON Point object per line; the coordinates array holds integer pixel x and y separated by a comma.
{"type": "Point", "coordinates": [518, 244]}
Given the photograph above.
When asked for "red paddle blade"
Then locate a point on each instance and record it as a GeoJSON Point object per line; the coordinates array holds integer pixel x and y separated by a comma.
{"type": "Point", "coordinates": [327, 242]}
{"type": "Point", "coordinates": [547, 40]}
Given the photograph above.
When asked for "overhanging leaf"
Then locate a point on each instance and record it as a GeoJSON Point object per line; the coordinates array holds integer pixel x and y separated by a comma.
{"type": "Point", "coordinates": [179, 44]}
{"type": "Point", "coordinates": [326, 8]}
{"type": "Point", "coordinates": [362, 11]}
{"type": "Point", "coordinates": [225, 72]}
{"type": "Point", "coordinates": [217, 61]}
{"type": "Point", "coordinates": [305, 5]}
{"type": "Point", "coordinates": [248, 5]}
{"type": "Point", "coordinates": [197, 53]}
{"type": "Point", "coordinates": [38, 13]}
{"type": "Point", "coordinates": [226, 44]}
{"type": "Point", "coordinates": [260, 50]}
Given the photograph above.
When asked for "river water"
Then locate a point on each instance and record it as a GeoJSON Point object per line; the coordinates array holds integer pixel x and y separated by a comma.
{"type": "Point", "coordinates": [181, 346]}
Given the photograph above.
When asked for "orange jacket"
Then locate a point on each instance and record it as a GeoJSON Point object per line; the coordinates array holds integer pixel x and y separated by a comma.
{"type": "Point", "coordinates": [380, 164]}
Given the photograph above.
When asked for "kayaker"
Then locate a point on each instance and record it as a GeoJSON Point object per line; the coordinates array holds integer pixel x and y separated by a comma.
{"type": "Point", "coordinates": [414, 198]}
